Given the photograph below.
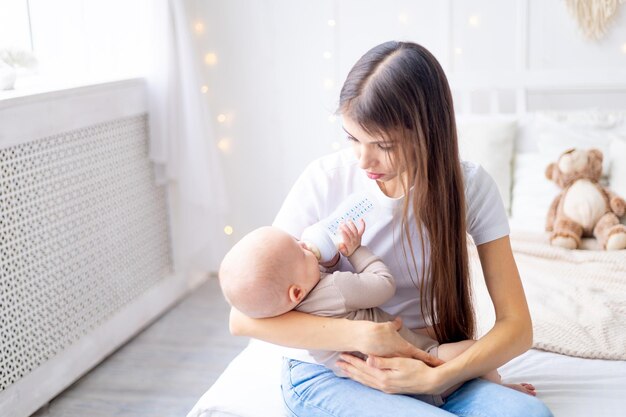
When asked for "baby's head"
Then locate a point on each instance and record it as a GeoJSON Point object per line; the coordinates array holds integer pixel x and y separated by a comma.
{"type": "Point", "coordinates": [268, 273]}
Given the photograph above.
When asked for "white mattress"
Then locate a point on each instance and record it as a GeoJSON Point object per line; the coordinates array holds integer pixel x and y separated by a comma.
{"type": "Point", "coordinates": [571, 387]}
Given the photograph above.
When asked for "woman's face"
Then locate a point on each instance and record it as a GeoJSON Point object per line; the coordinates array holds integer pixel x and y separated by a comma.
{"type": "Point", "coordinates": [374, 153]}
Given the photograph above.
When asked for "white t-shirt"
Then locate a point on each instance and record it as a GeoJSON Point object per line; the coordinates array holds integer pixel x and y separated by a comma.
{"type": "Point", "coordinates": [327, 181]}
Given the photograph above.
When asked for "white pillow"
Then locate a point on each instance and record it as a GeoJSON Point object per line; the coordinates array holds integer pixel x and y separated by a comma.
{"type": "Point", "coordinates": [617, 177]}
{"type": "Point", "coordinates": [249, 387]}
{"type": "Point", "coordinates": [558, 132]}
{"type": "Point", "coordinates": [532, 192]}
{"type": "Point", "coordinates": [489, 142]}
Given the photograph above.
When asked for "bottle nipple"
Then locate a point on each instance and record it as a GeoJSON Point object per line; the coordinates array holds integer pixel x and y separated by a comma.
{"type": "Point", "coordinates": [313, 249]}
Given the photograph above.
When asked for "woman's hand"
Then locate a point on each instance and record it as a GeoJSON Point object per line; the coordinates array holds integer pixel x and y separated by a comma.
{"type": "Point", "coordinates": [393, 375]}
{"type": "Point", "coordinates": [383, 339]}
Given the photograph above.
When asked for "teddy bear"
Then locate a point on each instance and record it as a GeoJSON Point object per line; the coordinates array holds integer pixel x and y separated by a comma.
{"type": "Point", "coordinates": [584, 207]}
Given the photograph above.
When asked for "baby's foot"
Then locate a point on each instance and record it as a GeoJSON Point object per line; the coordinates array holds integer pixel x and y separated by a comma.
{"type": "Point", "coordinates": [523, 387]}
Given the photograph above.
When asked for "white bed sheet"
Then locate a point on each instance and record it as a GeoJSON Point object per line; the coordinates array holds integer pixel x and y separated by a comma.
{"type": "Point", "coordinates": [571, 387]}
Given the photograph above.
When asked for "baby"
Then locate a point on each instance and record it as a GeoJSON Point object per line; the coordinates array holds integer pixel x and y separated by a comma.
{"type": "Point", "coordinates": [269, 272]}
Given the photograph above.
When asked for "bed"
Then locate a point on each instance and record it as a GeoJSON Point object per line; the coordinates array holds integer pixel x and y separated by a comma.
{"type": "Point", "coordinates": [577, 298]}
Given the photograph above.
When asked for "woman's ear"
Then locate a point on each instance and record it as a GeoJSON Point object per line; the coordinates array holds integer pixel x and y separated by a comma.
{"type": "Point", "coordinates": [296, 293]}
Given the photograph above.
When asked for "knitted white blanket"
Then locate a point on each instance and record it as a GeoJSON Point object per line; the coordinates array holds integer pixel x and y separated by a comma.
{"type": "Point", "coordinates": [577, 299]}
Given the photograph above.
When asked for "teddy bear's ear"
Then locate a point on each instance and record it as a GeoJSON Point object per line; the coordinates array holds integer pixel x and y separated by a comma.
{"type": "Point", "coordinates": [550, 174]}
{"type": "Point", "coordinates": [596, 154]}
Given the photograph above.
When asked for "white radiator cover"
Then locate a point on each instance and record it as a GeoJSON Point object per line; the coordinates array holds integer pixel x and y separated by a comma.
{"type": "Point", "coordinates": [85, 253]}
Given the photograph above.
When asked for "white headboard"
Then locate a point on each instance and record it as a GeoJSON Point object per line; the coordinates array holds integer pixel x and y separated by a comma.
{"type": "Point", "coordinates": [520, 101]}
{"type": "Point", "coordinates": [525, 102]}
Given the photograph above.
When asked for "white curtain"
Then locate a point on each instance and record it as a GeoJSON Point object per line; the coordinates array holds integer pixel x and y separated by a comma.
{"type": "Point", "coordinates": [182, 145]}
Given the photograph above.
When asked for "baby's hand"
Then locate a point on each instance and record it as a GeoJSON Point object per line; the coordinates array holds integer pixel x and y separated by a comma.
{"type": "Point", "coordinates": [351, 237]}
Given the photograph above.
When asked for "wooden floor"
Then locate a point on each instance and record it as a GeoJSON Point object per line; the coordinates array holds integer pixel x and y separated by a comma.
{"type": "Point", "coordinates": [162, 371]}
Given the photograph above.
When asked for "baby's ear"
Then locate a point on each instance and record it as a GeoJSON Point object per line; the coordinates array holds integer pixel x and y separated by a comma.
{"type": "Point", "coordinates": [550, 171]}
{"type": "Point", "coordinates": [296, 294]}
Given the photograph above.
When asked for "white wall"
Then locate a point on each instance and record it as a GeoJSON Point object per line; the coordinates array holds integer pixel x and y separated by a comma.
{"type": "Point", "coordinates": [277, 87]}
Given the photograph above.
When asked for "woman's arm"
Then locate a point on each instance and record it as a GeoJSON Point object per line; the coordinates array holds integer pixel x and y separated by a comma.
{"type": "Point", "coordinates": [510, 336]}
{"type": "Point", "coordinates": [298, 330]}
{"type": "Point", "coordinates": [306, 331]}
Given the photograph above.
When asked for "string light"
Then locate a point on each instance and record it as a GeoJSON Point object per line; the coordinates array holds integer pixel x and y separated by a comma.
{"type": "Point", "coordinates": [403, 18]}
{"type": "Point", "coordinates": [336, 145]}
{"type": "Point", "coordinates": [210, 59]}
{"type": "Point", "coordinates": [224, 145]}
{"type": "Point", "coordinates": [199, 28]}
{"type": "Point", "coordinates": [328, 55]}
{"type": "Point", "coordinates": [204, 89]}
{"type": "Point", "coordinates": [624, 48]}
{"type": "Point", "coordinates": [331, 22]}
{"type": "Point", "coordinates": [474, 20]}
{"type": "Point", "coordinates": [221, 118]}
{"type": "Point", "coordinates": [458, 51]}
{"type": "Point", "coordinates": [328, 83]}
{"type": "Point", "coordinates": [228, 230]}
{"type": "Point", "coordinates": [332, 118]}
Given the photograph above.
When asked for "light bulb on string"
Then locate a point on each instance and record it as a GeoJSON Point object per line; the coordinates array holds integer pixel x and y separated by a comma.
{"type": "Point", "coordinates": [198, 27]}
{"type": "Point", "coordinates": [221, 118]}
{"type": "Point", "coordinates": [474, 20]}
{"type": "Point", "coordinates": [624, 48]}
{"type": "Point", "coordinates": [210, 59]}
{"type": "Point", "coordinates": [335, 146]}
{"type": "Point", "coordinates": [228, 230]}
{"type": "Point", "coordinates": [332, 22]}
{"type": "Point", "coordinates": [224, 145]}
{"type": "Point", "coordinates": [327, 55]}
{"type": "Point", "coordinates": [204, 89]}
{"type": "Point", "coordinates": [328, 83]}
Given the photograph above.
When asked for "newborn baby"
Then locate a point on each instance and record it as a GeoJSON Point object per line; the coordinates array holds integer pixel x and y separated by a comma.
{"type": "Point", "coordinates": [269, 272]}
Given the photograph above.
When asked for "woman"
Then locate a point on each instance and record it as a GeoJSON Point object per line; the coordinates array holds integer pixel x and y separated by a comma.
{"type": "Point", "coordinates": [397, 112]}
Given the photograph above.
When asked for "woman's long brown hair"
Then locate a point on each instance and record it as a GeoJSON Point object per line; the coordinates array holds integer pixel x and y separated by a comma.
{"type": "Point", "coordinates": [398, 91]}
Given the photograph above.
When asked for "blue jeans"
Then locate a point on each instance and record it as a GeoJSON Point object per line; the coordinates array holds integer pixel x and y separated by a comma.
{"type": "Point", "coordinates": [311, 390]}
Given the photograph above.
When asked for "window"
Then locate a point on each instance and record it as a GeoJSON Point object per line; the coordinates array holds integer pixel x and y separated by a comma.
{"type": "Point", "coordinates": [77, 41]}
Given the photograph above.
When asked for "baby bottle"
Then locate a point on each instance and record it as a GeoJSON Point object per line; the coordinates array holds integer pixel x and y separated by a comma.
{"type": "Point", "coordinates": [325, 236]}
